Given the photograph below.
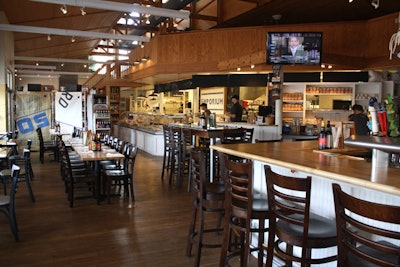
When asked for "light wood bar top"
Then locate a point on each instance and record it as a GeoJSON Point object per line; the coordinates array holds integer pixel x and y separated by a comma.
{"type": "Point", "coordinates": [299, 156]}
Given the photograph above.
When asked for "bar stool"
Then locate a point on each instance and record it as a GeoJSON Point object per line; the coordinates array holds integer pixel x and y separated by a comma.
{"type": "Point", "coordinates": [358, 232]}
{"type": "Point", "coordinates": [292, 222]}
{"type": "Point", "coordinates": [242, 207]}
{"type": "Point", "coordinates": [167, 150]}
{"type": "Point", "coordinates": [208, 198]}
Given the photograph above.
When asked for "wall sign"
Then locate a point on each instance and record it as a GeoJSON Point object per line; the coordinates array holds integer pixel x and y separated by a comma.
{"type": "Point", "coordinates": [214, 98]}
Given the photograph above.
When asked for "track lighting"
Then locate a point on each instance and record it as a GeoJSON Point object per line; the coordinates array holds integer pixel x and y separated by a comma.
{"type": "Point", "coordinates": [64, 9]}
{"type": "Point", "coordinates": [48, 37]}
{"type": "Point", "coordinates": [238, 68]}
{"type": "Point", "coordinates": [147, 21]}
{"type": "Point", "coordinates": [73, 39]}
{"type": "Point", "coordinates": [83, 12]}
{"type": "Point", "coordinates": [375, 3]}
{"type": "Point", "coordinates": [145, 59]}
{"type": "Point", "coordinates": [252, 66]}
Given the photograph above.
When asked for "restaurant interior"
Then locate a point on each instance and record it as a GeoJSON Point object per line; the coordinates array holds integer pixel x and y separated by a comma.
{"type": "Point", "coordinates": [107, 158]}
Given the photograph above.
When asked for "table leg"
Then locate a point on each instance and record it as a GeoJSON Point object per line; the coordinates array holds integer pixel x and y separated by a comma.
{"type": "Point", "coordinates": [212, 141]}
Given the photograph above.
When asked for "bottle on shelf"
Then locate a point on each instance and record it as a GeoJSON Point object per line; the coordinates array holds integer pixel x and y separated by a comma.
{"type": "Point", "coordinates": [328, 134]}
{"type": "Point", "coordinates": [322, 138]}
{"type": "Point", "coordinates": [203, 123]}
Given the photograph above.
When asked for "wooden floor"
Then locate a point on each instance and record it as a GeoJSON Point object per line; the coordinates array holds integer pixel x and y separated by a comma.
{"type": "Point", "coordinates": [151, 233]}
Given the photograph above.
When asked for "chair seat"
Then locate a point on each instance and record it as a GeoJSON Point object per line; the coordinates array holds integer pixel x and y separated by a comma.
{"type": "Point", "coordinates": [215, 188]}
{"type": "Point", "coordinates": [356, 261]}
{"type": "Point", "coordinates": [4, 200]}
{"type": "Point", "coordinates": [260, 204]}
{"type": "Point", "coordinates": [5, 173]}
{"type": "Point", "coordinates": [320, 228]}
{"type": "Point", "coordinates": [116, 173]}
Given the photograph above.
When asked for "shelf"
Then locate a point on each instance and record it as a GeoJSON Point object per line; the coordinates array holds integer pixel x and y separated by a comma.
{"type": "Point", "coordinates": [292, 111]}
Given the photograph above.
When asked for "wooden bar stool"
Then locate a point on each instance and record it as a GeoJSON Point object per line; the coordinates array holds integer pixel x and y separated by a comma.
{"type": "Point", "coordinates": [361, 242]}
{"type": "Point", "coordinates": [292, 222]}
{"type": "Point", "coordinates": [241, 209]}
{"type": "Point", "coordinates": [208, 199]}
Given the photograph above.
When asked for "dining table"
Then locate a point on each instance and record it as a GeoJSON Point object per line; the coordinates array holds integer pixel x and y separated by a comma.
{"type": "Point", "coordinates": [85, 154]}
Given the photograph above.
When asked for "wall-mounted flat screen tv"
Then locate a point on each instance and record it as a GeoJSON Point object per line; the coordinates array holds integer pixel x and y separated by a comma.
{"type": "Point", "coordinates": [303, 48]}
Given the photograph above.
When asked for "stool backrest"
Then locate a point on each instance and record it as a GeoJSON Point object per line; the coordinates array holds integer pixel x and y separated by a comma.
{"type": "Point", "coordinates": [358, 232]}
{"type": "Point", "coordinates": [238, 178]}
{"type": "Point", "coordinates": [198, 170]}
{"type": "Point", "coordinates": [289, 200]}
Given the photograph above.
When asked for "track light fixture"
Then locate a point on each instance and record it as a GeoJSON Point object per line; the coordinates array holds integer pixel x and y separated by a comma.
{"type": "Point", "coordinates": [375, 3]}
{"type": "Point", "coordinates": [64, 9]}
{"type": "Point", "coordinates": [48, 37]}
{"type": "Point", "coordinates": [73, 39]}
{"type": "Point", "coordinates": [83, 12]}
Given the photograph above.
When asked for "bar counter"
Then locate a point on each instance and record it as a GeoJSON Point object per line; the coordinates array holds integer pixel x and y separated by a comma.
{"type": "Point", "coordinates": [300, 157]}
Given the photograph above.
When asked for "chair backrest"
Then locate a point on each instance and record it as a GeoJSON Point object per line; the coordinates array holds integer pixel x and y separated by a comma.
{"type": "Point", "coordinates": [167, 135]}
{"type": "Point", "coordinates": [40, 137]}
{"type": "Point", "coordinates": [289, 201]}
{"type": "Point", "coordinates": [198, 170]}
{"type": "Point", "coordinates": [15, 169]}
{"type": "Point", "coordinates": [355, 225]}
{"type": "Point", "coordinates": [238, 178]}
{"type": "Point", "coordinates": [29, 144]}
{"type": "Point", "coordinates": [131, 160]}
{"type": "Point", "coordinates": [120, 146]}
{"type": "Point", "coordinates": [233, 136]}
{"type": "Point", "coordinates": [248, 137]}
{"type": "Point", "coordinates": [27, 157]}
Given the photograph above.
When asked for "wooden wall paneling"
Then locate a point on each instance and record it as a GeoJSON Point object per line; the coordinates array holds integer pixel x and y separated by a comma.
{"type": "Point", "coordinates": [344, 44]}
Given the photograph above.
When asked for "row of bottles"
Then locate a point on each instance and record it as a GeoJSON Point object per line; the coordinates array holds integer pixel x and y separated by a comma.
{"type": "Point", "coordinates": [325, 140]}
{"type": "Point", "coordinates": [102, 113]}
{"type": "Point", "coordinates": [103, 124]}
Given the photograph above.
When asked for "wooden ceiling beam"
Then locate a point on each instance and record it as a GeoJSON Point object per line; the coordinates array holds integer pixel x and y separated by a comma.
{"type": "Point", "coordinates": [203, 17]}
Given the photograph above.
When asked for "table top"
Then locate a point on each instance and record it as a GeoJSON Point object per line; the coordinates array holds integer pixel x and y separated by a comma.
{"type": "Point", "coordinates": [85, 154]}
{"type": "Point", "coordinates": [4, 151]}
{"type": "Point", "coordinates": [61, 132]}
{"type": "Point", "coordinates": [300, 156]}
{"type": "Point", "coordinates": [7, 143]}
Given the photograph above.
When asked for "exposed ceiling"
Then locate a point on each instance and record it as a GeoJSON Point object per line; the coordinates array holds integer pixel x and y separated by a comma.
{"type": "Point", "coordinates": [204, 14]}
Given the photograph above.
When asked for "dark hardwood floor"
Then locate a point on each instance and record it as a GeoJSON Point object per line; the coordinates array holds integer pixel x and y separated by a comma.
{"type": "Point", "coordinates": [151, 233]}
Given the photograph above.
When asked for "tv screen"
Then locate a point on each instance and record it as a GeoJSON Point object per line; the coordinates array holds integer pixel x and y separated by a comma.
{"type": "Point", "coordinates": [264, 110]}
{"type": "Point", "coordinates": [341, 104]}
{"type": "Point", "coordinates": [303, 48]}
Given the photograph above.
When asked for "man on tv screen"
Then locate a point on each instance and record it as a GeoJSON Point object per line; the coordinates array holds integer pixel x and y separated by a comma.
{"type": "Point", "coordinates": [295, 51]}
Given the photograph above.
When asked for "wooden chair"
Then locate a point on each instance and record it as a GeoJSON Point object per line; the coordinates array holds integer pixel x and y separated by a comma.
{"type": "Point", "coordinates": [123, 175]}
{"type": "Point", "coordinates": [208, 199]}
{"type": "Point", "coordinates": [7, 202]}
{"type": "Point", "coordinates": [292, 222]}
{"type": "Point", "coordinates": [248, 136]}
{"type": "Point", "coordinates": [77, 177]}
{"type": "Point", "coordinates": [46, 146]}
{"type": "Point", "coordinates": [24, 174]}
{"type": "Point", "coordinates": [167, 150]}
{"type": "Point", "coordinates": [242, 207]}
{"type": "Point", "coordinates": [360, 241]}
